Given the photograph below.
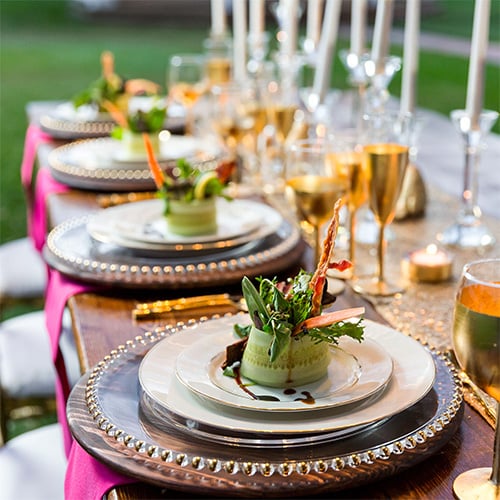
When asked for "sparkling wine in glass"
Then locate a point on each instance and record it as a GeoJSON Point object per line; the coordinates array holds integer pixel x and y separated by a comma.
{"type": "Point", "coordinates": [311, 188]}
{"type": "Point", "coordinates": [386, 154]}
{"type": "Point", "coordinates": [186, 82]}
{"type": "Point", "coordinates": [476, 341]}
{"type": "Point", "coordinates": [345, 157]}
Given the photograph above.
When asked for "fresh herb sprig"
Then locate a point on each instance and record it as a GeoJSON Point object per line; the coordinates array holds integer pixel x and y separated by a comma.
{"type": "Point", "coordinates": [149, 121]}
{"type": "Point", "coordinates": [284, 314]}
{"type": "Point", "coordinates": [100, 90]}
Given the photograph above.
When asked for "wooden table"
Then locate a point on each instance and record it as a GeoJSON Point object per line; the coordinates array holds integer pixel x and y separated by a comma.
{"type": "Point", "coordinates": [95, 338]}
{"type": "Point", "coordinates": [470, 447]}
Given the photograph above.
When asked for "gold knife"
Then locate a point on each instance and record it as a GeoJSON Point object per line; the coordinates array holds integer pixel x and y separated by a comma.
{"type": "Point", "coordinates": [149, 310]}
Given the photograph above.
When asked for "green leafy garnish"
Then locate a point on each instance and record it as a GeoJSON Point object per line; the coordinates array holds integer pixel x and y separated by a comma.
{"type": "Point", "coordinates": [188, 183]}
{"type": "Point", "coordinates": [100, 90]}
{"type": "Point", "coordinates": [279, 313]}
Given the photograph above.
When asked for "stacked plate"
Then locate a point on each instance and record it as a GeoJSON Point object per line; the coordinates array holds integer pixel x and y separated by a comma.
{"type": "Point", "coordinates": [131, 245]}
{"type": "Point", "coordinates": [101, 165]}
{"type": "Point", "coordinates": [183, 384]}
{"type": "Point", "coordinates": [63, 121]}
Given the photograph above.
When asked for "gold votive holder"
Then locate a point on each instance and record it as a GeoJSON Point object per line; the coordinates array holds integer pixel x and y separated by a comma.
{"type": "Point", "coordinates": [428, 265]}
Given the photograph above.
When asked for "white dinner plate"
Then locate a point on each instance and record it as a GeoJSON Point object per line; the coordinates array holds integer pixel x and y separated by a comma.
{"type": "Point", "coordinates": [172, 148]}
{"type": "Point", "coordinates": [142, 225]}
{"type": "Point", "coordinates": [95, 163]}
{"type": "Point", "coordinates": [356, 371]}
{"type": "Point", "coordinates": [413, 376]}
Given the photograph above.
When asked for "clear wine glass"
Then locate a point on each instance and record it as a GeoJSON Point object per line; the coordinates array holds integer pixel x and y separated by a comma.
{"type": "Point", "coordinates": [386, 155]}
{"type": "Point", "coordinates": [347, 161]}
{"type": "Point", "coordinates": [186, 82]}
{"type": "Point", "coordinates": [476, 341]}
{"type": "Point", "coordinates": [312, 188]}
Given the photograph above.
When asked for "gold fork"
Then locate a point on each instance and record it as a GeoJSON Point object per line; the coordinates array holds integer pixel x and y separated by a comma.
{"type": "Point", "coordinates": [154, 309]}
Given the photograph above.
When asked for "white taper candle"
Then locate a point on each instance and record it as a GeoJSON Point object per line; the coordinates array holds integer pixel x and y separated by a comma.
{"type": "Point", "coordinates": [290, 26]}
{"type": "Point", "coordinates": [477, 62]}
{"type": "Point", "coordinates": [382, 31]}
{"type": "Point", "coordinates": [218, 16]}
{"type": "Point", "coordinates": [327, 43]}
{"type": "Point", "coordinates": [239, 40]}
{"type": "Point", "coordinates": [410, 56]}
{"type": "Point", "coordinates": [359, 11]}
{"type": "Point", "coordinates": [257, 16]}
{"type": "Point", "coordinates": [313, 26]}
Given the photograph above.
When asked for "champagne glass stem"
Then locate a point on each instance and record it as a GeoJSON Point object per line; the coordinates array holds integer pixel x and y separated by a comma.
{"type": "Point", "coordinates": [381, 248]}
{"type": "Point", "coordinates": [495, 471]}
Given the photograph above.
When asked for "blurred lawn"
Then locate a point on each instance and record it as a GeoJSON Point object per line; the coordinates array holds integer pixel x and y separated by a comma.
{"type": "Point", "coordinates": [48, 55]}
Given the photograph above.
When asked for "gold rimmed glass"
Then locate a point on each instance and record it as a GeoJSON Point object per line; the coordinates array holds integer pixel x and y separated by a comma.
{"type": "Point", "coordinates": [346, 160]}
{"type": "Point", "coordinates": [476, 341]}
{"type": "Point", "coordinates": [386, 157]}
{"type": "Point", "coordinates": [311, 188]}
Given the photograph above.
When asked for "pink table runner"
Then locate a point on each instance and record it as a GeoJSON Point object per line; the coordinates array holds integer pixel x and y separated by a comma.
{"type": "Point", "coordinates": [44, 186]}
{"type": "Point", "coordinates": [86, 477]}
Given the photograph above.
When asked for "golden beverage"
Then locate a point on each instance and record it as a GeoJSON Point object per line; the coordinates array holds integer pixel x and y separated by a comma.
{"type": "Point", "coordinates": [218, 70]}
{"type": "Point", "coordinates": [349, 166]}
{"type": "Point", "coordinates": [314, 197]}
{"type": "Point", "coordinates": [281, 116]}
{"type": "Point", "coordinates": [186, 93]}
{"type": "Point", "coordinates": [476, 335]}
{"type": "Point", "coordinates": [385, 168]}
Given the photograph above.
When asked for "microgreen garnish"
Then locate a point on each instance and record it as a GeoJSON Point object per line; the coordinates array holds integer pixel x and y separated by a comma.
{"type": "Point", "coordinates": [283, 312]}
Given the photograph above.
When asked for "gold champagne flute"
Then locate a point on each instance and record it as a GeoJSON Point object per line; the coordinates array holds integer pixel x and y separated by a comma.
{"type": "Point", "coordinates": [386, 156]}
{"type": "Point", "coordinates": [346, 160]}
{"type": "Point", "coordinates": [476, 341]}
{"type": "Point", "coordinates": [311, 188]}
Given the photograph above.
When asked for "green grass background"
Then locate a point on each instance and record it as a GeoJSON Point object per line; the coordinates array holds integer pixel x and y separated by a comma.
{"type": "Point", "coordinates": [48, 54]}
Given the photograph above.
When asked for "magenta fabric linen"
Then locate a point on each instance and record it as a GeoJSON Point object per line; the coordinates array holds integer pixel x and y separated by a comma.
{"type": "Point", "coordinates": [89, 479]}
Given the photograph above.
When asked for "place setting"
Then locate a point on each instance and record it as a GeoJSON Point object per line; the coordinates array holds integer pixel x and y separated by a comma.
{"type": "Point", "coordinates": [180, 399]}
{"type": "Point", "coordinates": [87, 115]}
{"type": "Point", "coordinates": [212, 238]}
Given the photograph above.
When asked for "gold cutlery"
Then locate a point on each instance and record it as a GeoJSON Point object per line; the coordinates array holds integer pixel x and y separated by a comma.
{"type": "Point", "coordinates": [111, 200]}
{"type": "Point", "coordinates": [150, 310]}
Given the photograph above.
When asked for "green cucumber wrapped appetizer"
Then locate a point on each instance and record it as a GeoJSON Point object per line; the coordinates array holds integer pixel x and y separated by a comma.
{"type": "Point", "coordinates": [288, 342]}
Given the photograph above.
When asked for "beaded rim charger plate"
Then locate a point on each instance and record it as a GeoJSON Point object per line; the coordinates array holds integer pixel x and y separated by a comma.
{"type": "Point", "coordinates": [105, 416]}
{"type": "Point", "coordinates": [92, 163]}
{"type": "Point", "coordinates": [71, 250]}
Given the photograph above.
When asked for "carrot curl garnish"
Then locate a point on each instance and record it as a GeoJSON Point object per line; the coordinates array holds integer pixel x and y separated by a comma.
{"type": "Point", "coordinates": [318, 279]}
{"type": "Point", "coordinates": [156, 170]}
{"type": "Point", "coordinates": [328, 319]}
{"type": "Point", "coordinates": [116, 113]}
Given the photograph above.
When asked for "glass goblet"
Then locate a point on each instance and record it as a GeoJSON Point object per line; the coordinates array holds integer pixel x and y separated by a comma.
{"type": "Point", "coordinates": [311, 187]}
{"type": "Point", "coordinates": [186, 82]}
{"type": "Point", "coordinates": [476, 341]}
{"type": "Point", "coordinates": [386, 156]}
{"type": "Point", "coordinates": [346, 160]}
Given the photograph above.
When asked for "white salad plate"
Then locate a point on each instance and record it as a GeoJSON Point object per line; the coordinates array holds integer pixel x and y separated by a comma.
{"type": "Point", "coordinates": [356, 371]}
{"type": "Point", "coordinates": [142, 225]}
{"type": "Point", "coordinates": [412, 377]}
{"type": "Point", "coordinates": [99, 163]}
